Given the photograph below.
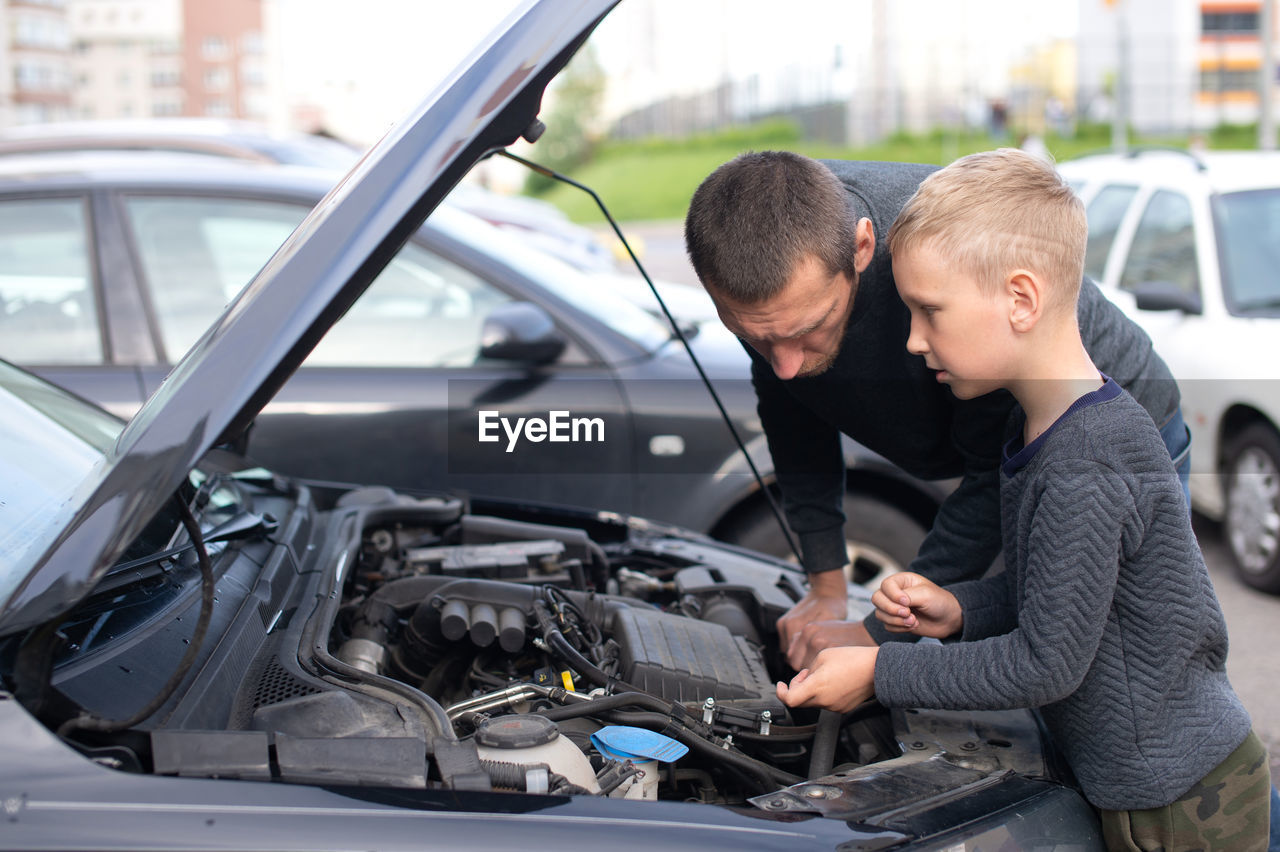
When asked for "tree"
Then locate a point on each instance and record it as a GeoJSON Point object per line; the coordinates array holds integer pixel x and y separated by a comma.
{"type": "Point", "coordinates": [572, 119]}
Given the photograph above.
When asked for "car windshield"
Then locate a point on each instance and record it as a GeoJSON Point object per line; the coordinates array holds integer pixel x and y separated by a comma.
{"type": "Point", "coordinates": [1249, 223]}
{"type": "Point", "coordinates": [54, 442]}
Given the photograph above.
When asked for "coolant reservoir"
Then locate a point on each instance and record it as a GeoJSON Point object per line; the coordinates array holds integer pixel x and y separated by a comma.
{"type": "Point", "coordinates": [645, 749]}
{"type": "Point", "coordinates": [529, 739]}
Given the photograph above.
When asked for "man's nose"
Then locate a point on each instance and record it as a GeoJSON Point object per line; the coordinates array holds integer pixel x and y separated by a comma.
{"type": "Point", "coordinates": [786, 360]}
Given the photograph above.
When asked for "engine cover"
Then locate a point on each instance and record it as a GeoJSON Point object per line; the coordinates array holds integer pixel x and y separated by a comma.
{"type": "Point", "coordinates": [686, 660]}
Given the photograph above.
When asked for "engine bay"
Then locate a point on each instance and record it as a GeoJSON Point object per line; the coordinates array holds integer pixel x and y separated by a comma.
{"type": "Point", "coordinates": [364, 638]}
{"type": "Point", "coordinates": [638, 667]}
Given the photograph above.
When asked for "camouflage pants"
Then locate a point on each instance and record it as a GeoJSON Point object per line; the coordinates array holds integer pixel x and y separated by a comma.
{"type": "Point", "coordinates": [1228, 809]}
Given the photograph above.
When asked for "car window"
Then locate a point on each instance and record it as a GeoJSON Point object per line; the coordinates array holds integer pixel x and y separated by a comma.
{"type": "Point", "coordinates": [591, 294]}
{"type": "Point", "coordinates": [1249, 234]}
{"type": "Point", "coordinates": [48, 312]}
{"type": "Point", "coordinates": [1105, 213]}
{"type": "Point", "coordinates": [422, 311]}
{"type": "Point", "coordinates": [1164, 245]}
{"type": "Point", "coordinates": [197, 253]}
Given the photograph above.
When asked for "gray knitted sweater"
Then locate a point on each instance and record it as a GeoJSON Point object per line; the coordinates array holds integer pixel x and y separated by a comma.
{"type": "Point", "coordinates": [1104, 618]}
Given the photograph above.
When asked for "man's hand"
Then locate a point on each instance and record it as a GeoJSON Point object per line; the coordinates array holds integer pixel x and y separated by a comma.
{"type": "Point", "coordinates": [908, 603]}
{"type": "Point", "coordinates": [826, 600]}
{"type": "Point", "coordinates": [840, 680]}
{"type": "Point", "coordinates": [820, 635]}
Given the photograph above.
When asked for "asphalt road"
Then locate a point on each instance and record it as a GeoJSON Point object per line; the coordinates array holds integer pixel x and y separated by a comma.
{"type": "Point", "coordinates": [1253, 618]}
{"type": "Point", "coordinates": [1253, 622]}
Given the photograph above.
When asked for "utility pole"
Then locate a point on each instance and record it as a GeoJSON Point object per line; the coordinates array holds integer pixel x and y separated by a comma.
{"type": "Point", "coordinates": [1120, 98]}
{"type": "Point", "coordinates": [1267, 78]}
{"type": "Point", "coordinates": [881, 73]}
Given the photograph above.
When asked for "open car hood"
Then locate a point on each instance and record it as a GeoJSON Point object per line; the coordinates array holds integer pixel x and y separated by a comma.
{"type": "Point", "coordinates": [213, 394]}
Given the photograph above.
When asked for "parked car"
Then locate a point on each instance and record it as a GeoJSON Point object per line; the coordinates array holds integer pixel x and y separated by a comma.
{"type": "Point", "coordinates": [1189, 246]}
{"type": "Point", "coordinates": [111, 266]}
{"type": "Point", "coordinates": [214, 137]}
{"type": "Point", "coordinates": [199, 653]}
{"type": "Point", "coordinates": [537, 221]}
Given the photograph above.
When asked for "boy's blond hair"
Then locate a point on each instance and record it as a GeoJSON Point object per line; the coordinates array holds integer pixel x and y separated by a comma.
{"type": "Point", "coordinates": [996, 211]}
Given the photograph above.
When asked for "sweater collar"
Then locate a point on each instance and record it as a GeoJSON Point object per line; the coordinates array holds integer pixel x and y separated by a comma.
{"type": "Point", "coordinates": [1015, 458]}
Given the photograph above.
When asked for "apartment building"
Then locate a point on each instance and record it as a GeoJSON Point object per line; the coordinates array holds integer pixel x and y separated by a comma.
{"type": "Point", "coordinates": [35, 69]}
{"type": "Point", "coordinates": [225, 59]}
{"type": "Point", "coordinates": [126, 59]}
{"type": "Point", "coordinates": [159, 58]}
{"type": "Point", "coordinates": [1230, 58]}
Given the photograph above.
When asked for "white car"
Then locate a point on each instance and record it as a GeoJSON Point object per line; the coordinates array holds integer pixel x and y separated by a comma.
{"type": "Point", "coordinates": [1189, 246]}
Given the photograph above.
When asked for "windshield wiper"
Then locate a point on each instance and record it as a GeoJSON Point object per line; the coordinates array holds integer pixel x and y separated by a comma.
{"type": "Point", "coordinates": [243, 525]}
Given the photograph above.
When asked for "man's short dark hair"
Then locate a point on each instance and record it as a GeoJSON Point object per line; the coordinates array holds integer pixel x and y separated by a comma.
{"type": "Point", "coordinates": [754, 218]}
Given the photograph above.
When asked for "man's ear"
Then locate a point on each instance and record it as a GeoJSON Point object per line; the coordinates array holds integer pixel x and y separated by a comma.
{"type": "Point", "coordinates": [1025, 293]}
{"type": "Point", "coordinates": [864, 242]}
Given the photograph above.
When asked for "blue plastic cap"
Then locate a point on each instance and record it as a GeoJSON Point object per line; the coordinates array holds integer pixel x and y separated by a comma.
{"type": "Point", "coordinates": [623, 742]}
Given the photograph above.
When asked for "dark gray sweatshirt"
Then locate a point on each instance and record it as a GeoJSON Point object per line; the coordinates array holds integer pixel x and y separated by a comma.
{"type": "Point", "coordinates": [1104, 618]}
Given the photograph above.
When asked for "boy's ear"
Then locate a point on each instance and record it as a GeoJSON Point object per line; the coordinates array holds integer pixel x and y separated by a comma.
{"type": "Point", "coordinates": [1025, 293]}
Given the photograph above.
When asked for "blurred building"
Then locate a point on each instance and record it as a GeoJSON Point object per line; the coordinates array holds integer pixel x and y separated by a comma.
{"type": "Point", "coordinates": [35, 61]}
{"type": "Point", "coordinates": [1042, 89]}
{"type": "Point", "coordinates": [124, 59]}
{"type": "Point", "coordinates": [224, 59]}
{"type": "Point", "coordinates": [127, 59]}
{"type": "Point", "coordinates": [1230, 57]}
{"type": "Point", "coordinates": [1146, 47]}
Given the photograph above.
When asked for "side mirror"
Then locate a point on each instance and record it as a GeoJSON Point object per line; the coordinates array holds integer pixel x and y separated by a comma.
{"type": "Point", "coordinates": [520, 331]}
{"type": "Point", "coordinates": [1166, 296]}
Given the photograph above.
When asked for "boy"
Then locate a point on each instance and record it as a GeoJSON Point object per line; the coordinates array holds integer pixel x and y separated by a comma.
{"type": "Point", "coordinates": [1105, 618]}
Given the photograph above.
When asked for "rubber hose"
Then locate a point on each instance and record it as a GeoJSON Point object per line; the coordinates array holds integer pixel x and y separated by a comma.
{"type": "Point", "coordinates": [823, 756]}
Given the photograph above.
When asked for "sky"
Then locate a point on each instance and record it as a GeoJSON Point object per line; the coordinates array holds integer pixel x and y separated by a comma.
{"type": "Point", "coordinates": [373, 74]}
{"type": "Point", "coordinates": [376, 71]}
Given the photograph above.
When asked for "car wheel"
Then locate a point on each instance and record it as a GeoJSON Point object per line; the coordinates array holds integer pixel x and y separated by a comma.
{"type": "Point", "coordinates": [1252, 520]}
{"type": "Point", "coordinates": [879, 538]}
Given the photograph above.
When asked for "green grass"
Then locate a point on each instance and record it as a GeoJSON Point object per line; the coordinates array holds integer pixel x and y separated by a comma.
{"type": "Point", "coordinates": [654, 179]}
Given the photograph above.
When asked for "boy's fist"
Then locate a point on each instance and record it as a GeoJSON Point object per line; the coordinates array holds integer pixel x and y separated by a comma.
{"type": "Point", "coordinates": [908, 603]}
{"type": "Point", "coordinates": [840, 680]}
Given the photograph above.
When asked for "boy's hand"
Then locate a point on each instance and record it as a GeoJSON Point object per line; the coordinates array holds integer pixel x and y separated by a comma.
{"type": "Point", "coordinates": [840, 680]}
{"type": "Point", "coordinates": [908, 603]}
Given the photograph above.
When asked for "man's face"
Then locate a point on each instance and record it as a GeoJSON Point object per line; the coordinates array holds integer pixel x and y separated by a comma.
{"type": "Point", "coordinates": [962, 332]}
{"type": "Point", "coordinates": [799, 330]}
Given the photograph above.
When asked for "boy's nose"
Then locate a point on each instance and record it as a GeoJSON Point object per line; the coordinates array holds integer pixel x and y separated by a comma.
{"type": "Point", "coordinates": [916, 344]}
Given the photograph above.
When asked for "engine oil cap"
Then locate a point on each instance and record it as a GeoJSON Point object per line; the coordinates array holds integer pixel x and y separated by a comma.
{"type": "Point", "coordinates": [623, 742]}
{"type": "Point", "coordinates": [517, 731]}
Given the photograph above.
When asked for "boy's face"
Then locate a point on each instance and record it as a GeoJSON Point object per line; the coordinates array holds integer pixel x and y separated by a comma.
{"type": "Point", "coordinates": [963, 333]}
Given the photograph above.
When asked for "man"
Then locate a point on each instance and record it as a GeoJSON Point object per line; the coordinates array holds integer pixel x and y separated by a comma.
{"type": "Point", "coordinates": [791, 251]}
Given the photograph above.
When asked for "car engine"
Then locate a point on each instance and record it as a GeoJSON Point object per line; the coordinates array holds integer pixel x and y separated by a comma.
{"type": "Point", "coordinates": [365, 638]}
{"type": "Point", "coordinates": [578, 662]}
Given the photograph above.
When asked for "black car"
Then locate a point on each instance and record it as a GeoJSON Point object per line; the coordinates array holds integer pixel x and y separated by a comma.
{"type": "Point", "coordinates": [197, 652]}
{"type": "Point", "coordinates": [112, 265]}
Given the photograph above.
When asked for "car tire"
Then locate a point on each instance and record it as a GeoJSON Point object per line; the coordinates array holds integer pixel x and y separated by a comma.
{"type": "Point", "coordinates": [1251, 523]}
{"type": "Point", "coordinates": [880, 538]}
